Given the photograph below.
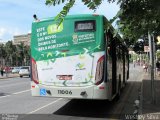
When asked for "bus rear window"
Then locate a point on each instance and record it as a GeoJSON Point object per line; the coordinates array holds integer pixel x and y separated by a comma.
{"type": "Point", "coordinates": [85, 26]}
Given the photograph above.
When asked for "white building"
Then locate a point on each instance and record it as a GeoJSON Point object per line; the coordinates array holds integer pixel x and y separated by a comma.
{"type": "Point", "coordinates": [25, 38]}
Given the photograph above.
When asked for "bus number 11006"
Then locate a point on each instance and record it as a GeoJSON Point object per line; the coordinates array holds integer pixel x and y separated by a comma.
{"type": "Point", "coordinates": [68, 92]}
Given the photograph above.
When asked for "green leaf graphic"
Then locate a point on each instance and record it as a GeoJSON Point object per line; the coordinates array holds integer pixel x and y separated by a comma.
{"type": "Point", "coordinates": [63, 54]}
{"type": "Point", "coordinates": [49, 54]}
{"type": "Point", "coordinates": [53, 60]}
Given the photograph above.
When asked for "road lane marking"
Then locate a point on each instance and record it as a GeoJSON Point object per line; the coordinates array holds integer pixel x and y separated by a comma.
{"type": "Point", "coordinates": [21, 92]}
{"type": "Point", "coordinates": [45, 106]}
{"type": "Point", "coordinates": [16, 93]}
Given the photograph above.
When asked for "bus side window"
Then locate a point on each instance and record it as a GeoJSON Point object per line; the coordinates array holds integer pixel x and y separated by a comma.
{"type": "Point", "coordinates": [108, 45]}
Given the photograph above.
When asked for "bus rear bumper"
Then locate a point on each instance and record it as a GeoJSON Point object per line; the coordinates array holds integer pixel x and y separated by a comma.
{"type": "Point", "coordinates": [87, 92]}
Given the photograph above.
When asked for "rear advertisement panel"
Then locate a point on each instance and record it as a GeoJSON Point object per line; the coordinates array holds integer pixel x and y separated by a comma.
{"type": "Point", "coordinates": [65, 54]}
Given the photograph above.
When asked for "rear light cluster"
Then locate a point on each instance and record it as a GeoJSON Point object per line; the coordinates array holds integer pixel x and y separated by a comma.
{"type": "Point", "coordinates": [99, 71]}
{"type": "Point", "coordinates": [34, 72]}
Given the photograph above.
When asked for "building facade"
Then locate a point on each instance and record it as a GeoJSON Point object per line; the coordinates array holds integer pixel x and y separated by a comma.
{"type": "Point", "coordinates": [25, 38]}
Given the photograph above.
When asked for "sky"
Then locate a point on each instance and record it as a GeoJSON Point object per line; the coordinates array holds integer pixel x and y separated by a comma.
{"type": "Point", "coordinates": [16, 16]}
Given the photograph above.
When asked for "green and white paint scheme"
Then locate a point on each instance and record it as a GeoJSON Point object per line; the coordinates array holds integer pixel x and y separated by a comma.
{"type": "Point", "coordinates": [60, 50]}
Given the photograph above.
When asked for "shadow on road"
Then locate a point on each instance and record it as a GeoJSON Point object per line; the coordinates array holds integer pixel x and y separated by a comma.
{"type": "Point", "coordinates": [148, 106]}
{"type": "Point", "coordinates": [86, 108]}
{"type": "Point", "coordinates": [103, 109]}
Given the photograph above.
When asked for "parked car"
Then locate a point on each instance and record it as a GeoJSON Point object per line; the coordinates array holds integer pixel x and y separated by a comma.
{"type": "Point", "coordinates": [24, 71]}
{"type": "Point", "coordinates": [16, 69]}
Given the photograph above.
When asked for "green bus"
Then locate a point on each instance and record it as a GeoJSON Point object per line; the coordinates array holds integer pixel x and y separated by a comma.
{"type": "Point", "coordinates": [78, 59]}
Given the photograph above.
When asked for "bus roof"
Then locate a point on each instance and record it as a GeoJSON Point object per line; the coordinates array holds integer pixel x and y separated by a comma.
{"type": "Point", "coordinates": [73, 16]}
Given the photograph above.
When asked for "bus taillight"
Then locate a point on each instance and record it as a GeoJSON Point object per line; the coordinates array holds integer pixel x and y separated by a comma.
{"type": "Point", "coordinates": [99, 71]}
{"type": "Point", "coordinates": [34, 71]}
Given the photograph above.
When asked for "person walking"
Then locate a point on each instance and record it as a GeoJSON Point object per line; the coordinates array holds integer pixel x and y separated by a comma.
{"type": "Point", "coordinates": [2, 71]}
{"type": "Point", "coordinates": [158, 67]}
{"type": "Point", "coordinates": [145, 67]}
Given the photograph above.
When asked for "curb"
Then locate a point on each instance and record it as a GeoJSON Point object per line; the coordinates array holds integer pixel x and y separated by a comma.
{"type": "Point", "coordinates": [5, 77]}
{"type": "Point", "coordinates": [9, 77]}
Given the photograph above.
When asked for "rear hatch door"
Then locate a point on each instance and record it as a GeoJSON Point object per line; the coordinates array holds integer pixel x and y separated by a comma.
{"type": "Point", "coordinates": [67, 71]}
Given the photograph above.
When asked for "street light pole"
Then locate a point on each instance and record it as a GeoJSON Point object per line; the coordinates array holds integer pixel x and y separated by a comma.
{"type": "Point", "coordinates": [151, 67]}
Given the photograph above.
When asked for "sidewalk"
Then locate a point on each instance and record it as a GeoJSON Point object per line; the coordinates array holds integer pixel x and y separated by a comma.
{"type": "Point", "coordinates": [9, 75]}
{"type": "Point", "coordinates": [146, 98]}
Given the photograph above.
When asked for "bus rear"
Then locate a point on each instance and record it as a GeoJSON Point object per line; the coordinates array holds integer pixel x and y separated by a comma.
{"type": "Point", "coordinates": [68, 60]}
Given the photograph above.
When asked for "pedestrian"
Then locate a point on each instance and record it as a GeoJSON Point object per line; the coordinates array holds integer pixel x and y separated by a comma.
{"type": "Point", "coordinates": [158, 67]}
{"type": "Point", "coordinates": [134, 63]}
{"type": "Point", "coordinates": [145, 67]}
{"type": "Point", "coordinates": [2, 71]}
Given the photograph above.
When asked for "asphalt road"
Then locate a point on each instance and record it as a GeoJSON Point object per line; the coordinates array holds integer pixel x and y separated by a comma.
{"type": "Point", "coordinates": [16, 99]}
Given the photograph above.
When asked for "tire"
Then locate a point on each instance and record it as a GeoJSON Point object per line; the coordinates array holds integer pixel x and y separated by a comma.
{"type": "Point", "coordinates": [21, 76]}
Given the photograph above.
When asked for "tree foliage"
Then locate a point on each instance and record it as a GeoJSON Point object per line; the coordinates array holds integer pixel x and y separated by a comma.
{"type": "Point", "coordinates": [65, 10]}
{"type": "Point", "coordinates": [14, 55]}
{"type": "Point", "coordinates": [158, 55]}
{"type": "Point", "coordinates": [91, 4]}
{"type": "Point", "coordinates": [138, 17]}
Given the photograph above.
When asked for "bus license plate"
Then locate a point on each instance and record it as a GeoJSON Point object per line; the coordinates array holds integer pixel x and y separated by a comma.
{"type": "Point", "coordinates": [67, 92]}
{"type": "Point", "coordinates": [64, 77]}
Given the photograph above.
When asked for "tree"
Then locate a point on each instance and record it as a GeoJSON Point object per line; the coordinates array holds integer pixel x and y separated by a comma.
{"type": "Point", "coordinates": [2, 54]}
{"type": "Point", "coordinates": [23, 54]}
{"type": "Point", "coordinates": [91, 4]}
{"type": "Point", "coordinates": [26, 52]}
{"type": "Point", "coordinates": [20, 51]}
{"type": "Point", "coordinates": [9, 49]}
{"type": "Point", "coordinates": [139, 47]}
{"type": "Point", "coordinates": [158, 55]}
{"type": "Point", "coordinates": [14, 55]}
{"type": "Point", "coordinates": [139, 17]}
